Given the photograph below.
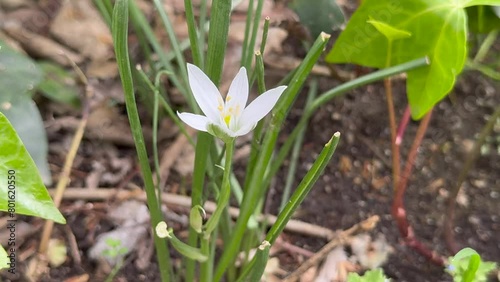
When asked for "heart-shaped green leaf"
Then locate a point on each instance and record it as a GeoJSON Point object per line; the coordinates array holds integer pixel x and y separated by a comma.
{"type": "Point", "coordinates": [26, 191]}
{"type": "Point", "coordinates": [25, 118]}
{"type": "Point", "coordinates": [390, 32]}
{"type": "Point", "coordinates": [438, 31]}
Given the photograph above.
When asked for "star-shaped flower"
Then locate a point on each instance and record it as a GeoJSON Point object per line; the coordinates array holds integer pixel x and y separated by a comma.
{"type": "Point", "coordinates": [231, 117]}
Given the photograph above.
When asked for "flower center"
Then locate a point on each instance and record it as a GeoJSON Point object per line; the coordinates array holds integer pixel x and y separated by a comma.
{"type": "Point", "coordinates": [227, 119]}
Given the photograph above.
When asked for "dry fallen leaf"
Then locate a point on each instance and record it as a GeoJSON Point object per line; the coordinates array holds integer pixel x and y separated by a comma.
{"type": "Point", "coordinates": [40, 46]}
{"type": "Point", "coordinates": [80, 26]}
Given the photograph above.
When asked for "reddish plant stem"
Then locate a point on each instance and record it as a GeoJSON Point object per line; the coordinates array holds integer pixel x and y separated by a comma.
{"type": "Point", "coordinates": [398, 209]}
{"type": "Point", "coordinates": [402, 126]}
{"type": "Point", "coordinates": [396, 167]}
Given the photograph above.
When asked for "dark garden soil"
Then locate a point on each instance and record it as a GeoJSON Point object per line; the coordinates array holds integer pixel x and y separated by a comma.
{"type": "Point", "coordinates": [356, 184]}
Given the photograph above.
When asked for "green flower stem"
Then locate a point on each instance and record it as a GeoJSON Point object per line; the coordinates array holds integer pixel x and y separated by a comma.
{"type": "Point", "coordinates": [206, 268]}
{"type": "Point", "coordinates": [120, 36]}
{"type": "Point", "coordinates": [292, 168]}
{"type": "Point", "coordinates": [255, 191]}
{"type": "Point", "coordinates": [196, 50]}
{"type": "Point", "coordinates": [304, 187]}
{"type": "Point", "coordinates": [225, 191]}
{"type": "Point", "coordinates": [335, 92]}
{"type": "Point", "coordinates": [202, 150]}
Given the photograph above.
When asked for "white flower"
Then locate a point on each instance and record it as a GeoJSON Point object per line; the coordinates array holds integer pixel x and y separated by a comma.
{"type": "Point", "coordinates": [231, 116]}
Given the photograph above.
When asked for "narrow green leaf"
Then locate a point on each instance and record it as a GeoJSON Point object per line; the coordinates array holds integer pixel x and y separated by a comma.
{"type": "Point", "coordinates": [303, 188]}
{"type": "Point", "coordinates": [390, 32]}
{"type": "Point", "coordinates": [261, 258]}
{"type": "Point", "coordinates": [120, 39]}
{"type": "Point", "coordinates": [217, 39]}
{"type": "Point", "coordinates": [25, 192]}
{"type": "Point", "coordinates": [186, 250]}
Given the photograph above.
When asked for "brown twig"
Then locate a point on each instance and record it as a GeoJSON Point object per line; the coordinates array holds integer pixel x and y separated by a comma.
{"type": "Point", "coordinates": [341, 238]}
{"type": "Point", "coordinates": [469, 162]}
{"type": "Point", "coordinates": [398, 209]}
{"type": "Point", "coordinates": [102, 194]}
{"type": "Point", "coordinates": [65, 174]}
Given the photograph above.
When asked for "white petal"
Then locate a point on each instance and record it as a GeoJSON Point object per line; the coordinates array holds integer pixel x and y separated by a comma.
{"type": "Point", "coordinates": [205, 93]}
{"type": "Point", "coordinates": [238, 92]}
{"type": "Point", "coordinates": [260, 107]}
{"type": "Point", "coordinates": [244, 130]}
{"type": "Point", "coordinates": [197, 122]}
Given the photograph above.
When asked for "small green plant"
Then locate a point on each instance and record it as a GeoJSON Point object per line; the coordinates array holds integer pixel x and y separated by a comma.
{"type": "Point", "coordinates": [375, 275]}
{"type": "Point", "coordinates": [466, 266]}
{"type": "Point", "coordinates": [114, 253]}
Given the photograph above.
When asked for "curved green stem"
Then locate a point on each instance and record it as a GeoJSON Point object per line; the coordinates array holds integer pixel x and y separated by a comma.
{"type": "Point", "coordinates": [225, 191]}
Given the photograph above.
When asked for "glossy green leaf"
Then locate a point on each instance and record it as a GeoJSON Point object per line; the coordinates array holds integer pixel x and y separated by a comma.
{"type": "Point", "coordinates": [31, 196]}
{"type": "Point", "coordinates": [390, 32]}
{"type": "Point", "coordinates": [438, 31]}
{"type": "Point", "coordinates": [19, 75]}
{"type": "Point", "coordinates": [58, 85]}
{"type": "Point", "coordinates": [482, 19]}
{"type": "Point", "coordinates": [27, 121]}
{"type": "Point", "coordinates": [322, 16]}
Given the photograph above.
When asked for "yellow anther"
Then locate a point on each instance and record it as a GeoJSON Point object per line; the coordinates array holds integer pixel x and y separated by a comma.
{"type": "Point", "coordinates": [228, 98]}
